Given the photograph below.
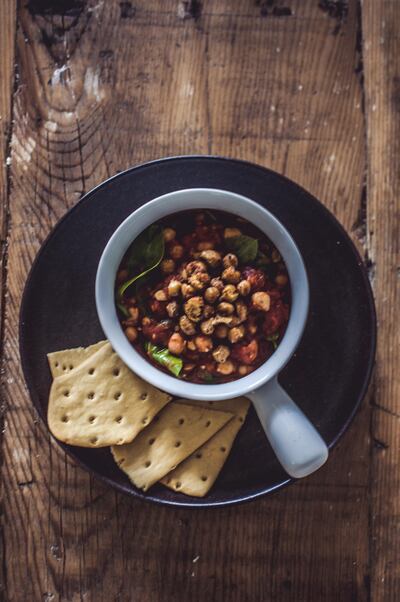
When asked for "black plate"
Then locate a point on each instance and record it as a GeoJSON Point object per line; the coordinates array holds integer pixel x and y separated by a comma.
{"type": "Point", "coordinates": [329, 374]}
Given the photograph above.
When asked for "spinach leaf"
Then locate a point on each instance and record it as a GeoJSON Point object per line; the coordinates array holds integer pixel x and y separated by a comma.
{"type": "Point", "coordinates": [165, 358]}
{"type": "Point", "coordinates": [245, 247]}
{"type": "Point", "coordinates": [123, 309]}
{"type": "Point", "coordinates": [145, 254]}
{"type": "Point", "coordinates": [273, 338]}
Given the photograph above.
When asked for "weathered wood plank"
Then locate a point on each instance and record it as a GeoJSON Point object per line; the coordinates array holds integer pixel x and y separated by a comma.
{"type": "Point", "coordinates": [381, 23]}
{"type": "Point", "coordinates": [7, 47]}
{"type": "Point", "coordinates": [103, 87]}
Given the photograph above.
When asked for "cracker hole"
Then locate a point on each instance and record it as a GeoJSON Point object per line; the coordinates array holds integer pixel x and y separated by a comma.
{"type": "Point", "coordinates": [91, 371]}
{"type": "Point", "coordinates": [64, 418]}
{"type": "Point", "coordinates": [241, 419]}
{"type": "Point", "coordinates": [92, 419]}
{"type": "Point", "coordinates": [148, 463]}
{"type": "Point", "coordinates": [94, 440]}
{"type": "Point", "coordinates": [178, 485]}
{"type": "Point", "coordinates": [91, 395]}
{"type": "Point", "coordinates": [199, 455]}
{"type": "Point", "coordinates": [116, 371]}
{"type": "Point", "coordinates": [56, 364]}
{"type": "Point", "coordinates": [66, 393]}
{"type": "Point", "coordinates": [145, 420]}
{"type": "Point", "coordinates": [71, 367]}
{"type": "Point", "coordinates": [204, 478]}
{"type": "Point", "coordinates": [120, 441]}
{"type": "Point", "coordinates": [208, 422]}
{"type": "Point", "coordinates": [144, 396]}
{"type": "Point", "coordinates": [118, 419]}
{"type": "Point", "coordinates": [223, 449]}
{"type": "Point", "coordinates": [117, 395]}
{"type": "Point", "coordinates": [64, 367]}
{"type": "Point", "coordinates": [151, 441]}
{"type": "Point", "coordinates": [181, 420]}
{"type": "Point", "coordinates": [178, 444]}
{"type": "Point", "coordinates": [121, 461]}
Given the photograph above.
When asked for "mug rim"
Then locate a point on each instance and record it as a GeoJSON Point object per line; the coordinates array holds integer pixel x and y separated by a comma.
{"type": "Point", "coordinates": [188, 199]}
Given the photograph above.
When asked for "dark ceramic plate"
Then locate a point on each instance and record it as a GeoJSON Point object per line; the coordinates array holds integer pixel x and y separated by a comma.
{"type": "Point", "coordinates": [329, 374]}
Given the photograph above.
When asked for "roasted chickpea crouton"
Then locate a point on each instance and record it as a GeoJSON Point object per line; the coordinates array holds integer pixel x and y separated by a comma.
{"type": "Point", "coordinates": [229, 293]}
{"type": "Point", "coordinates": [172, 309]}
{"type": "Point", "coordinates": [221, 332]}
{"type": "Point", "coordinates": [226, 368]}
{"type": "Point", "coordinates": [231, 232]}
{"type": "Point", "coordinates": [187, 325]}
{"type": "Point", "coordinates": [211, 294]}
{"type": "Point", "coordinates": [230, 260]}
{"type": "Point", "coordinates": [236, 334]}
{"type": "Point", "coordinates": [177, 252]}
{"type": "Point", "coordinates": [226, 309]}
{"type": "Point", "coordinates": [160, 296]}
{"type": "Point", "coordinates": [221, 353]}
{"type": "Point", "coordinates": [194, 308]}
{"type": "Point", "coordinates": [174, 288]}
{"type": "Point", "coordinates": [131, 333]}
{"type": "Point", "coordinates": [213, 258]}
{"type": "Point", "coordinates": [231, 275]}
{"type": "Point", "coordinates": [244, 287]}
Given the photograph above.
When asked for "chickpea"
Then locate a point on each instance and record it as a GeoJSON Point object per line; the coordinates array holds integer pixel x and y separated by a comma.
{"type": "Point", "coordinates": [211, 294]}
{"type": "Point", "coordinates": [226, 309]}
{"type": "Point", "coordinates": [188, 367]}
{"type": "Point", "coordinates": [207, 327]}
{"type": "Point", "coordinates": [221, 353]}
{"type": "Point", "coordinates": [194, 308]}
{"type": "Point", "coordinates": [172, 309]}
{"type": "Point", "coordinates": [244, 287]}
{"type": "Point", "coordinates": [134, 313]}
{"type": "Point", "coordinates": [174, 288]}
{"type": "Point", "coordinates": [187, 290]}
{"type": "Point", "coordinates": [281, 280]}
{"type": "Point", "coordinates": [205, 245]}
{"type": "Point", "coordinates": [228, 320]}
{"type": "Point", "coordinates": [193, 267]}
{"type": "Point", "coordinates": [122, 276]}
{"type": "Point", "coordinates": [217, 283]}
{"type": "Point", "coordinates": [131, 333]}
{"type": "Point", "coordinates": [167, 266]}
{"type": "Point", "coordinates": [241, 310]}
{"type": "Point", "coordinates": [169, 234]}
{"type": "Point", "coordinates": [187, 325]}
{"type": "Point", "coordinates": [229, 293]}
{"type": "Point", "coordinates": [261, 301]}
{"type": "Point", "coordinates": [203, 343]}
{"type": "Point", "coordinates": [236, 334]}
{"type": "Point", "coordinates": [213, 258]}
{"type": "Point", "coordinates": [243, 370]}
{"type": "Point", "coordinates": [230, 260]}
{"type": "Point", "coordinates": [208, 311]}
{"type": "Point", "coordinates": [191, 346]}
{"type": "Point", "coordinates": [252, 327]}
{"type": "Point", "coordinates": [160, 295]}
{"type": "Point", "coordinates": [199, 280]}
{"type": "Point", "coordinates": [276, 257]}
{"type": "Point", "coordinates": [221, 332]}
{"type": "Point", "coordinates": [184, 274]}
{"type": "Point", "coordinates": [231, 232]}
{"type": "Point", "coordinates": [177, 251]}
{"type": "Point", "coordinates": [231, 275]}
{"type": "Point", "coordinates": [227, 368]}
{"type": "Point", "coordinates": [176, 343]}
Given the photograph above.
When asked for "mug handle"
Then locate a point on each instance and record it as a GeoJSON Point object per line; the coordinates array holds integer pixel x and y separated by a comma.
{"type": "Point", "coordinates": [297, 444]}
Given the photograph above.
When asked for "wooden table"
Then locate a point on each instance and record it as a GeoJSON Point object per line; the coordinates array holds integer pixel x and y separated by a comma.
{"type": "Point", "coordinates": [310, 89]}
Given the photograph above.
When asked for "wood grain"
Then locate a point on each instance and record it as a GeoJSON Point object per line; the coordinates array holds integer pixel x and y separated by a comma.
{"type": "Point", "coordinates": [381, 22]}
{"type": "Point", "coordinates": [102, 86]}
{"type": "Point", "coordinates": [7, 47]}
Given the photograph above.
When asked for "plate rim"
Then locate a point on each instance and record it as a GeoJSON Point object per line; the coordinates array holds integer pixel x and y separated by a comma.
{"type": "Point", "coordinates": [135, 493]}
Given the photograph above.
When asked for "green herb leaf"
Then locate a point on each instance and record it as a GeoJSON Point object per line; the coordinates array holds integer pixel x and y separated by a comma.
{"type": "Point", "coordinates": [145, 254]}
{"type": "Point", "coordinates": [123, 309]}
{"type": "Point", "coordinates": [165, 358]}
{"type": "Point", "coordinates": [273, 338]}
{"type": "Point", "coordinates": [245, 247]}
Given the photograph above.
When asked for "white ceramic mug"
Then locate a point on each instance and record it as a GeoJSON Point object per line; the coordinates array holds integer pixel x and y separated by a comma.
{"type": "Point", "coordinates": [297, 445]}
